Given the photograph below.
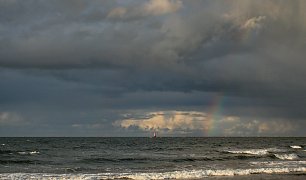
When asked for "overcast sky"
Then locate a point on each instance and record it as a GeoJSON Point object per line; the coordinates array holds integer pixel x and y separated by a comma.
{"type": "Point", "coordinates": [129, 68]}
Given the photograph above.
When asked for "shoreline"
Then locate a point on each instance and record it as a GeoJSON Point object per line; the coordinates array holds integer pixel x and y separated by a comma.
{"type": "Point", "coordinates": [266, 176]}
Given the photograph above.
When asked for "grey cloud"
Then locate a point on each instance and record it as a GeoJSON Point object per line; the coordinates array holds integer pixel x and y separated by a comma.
{"type": "Point", "coordinates": [269, 127]}
{"type": "Point", "coordinates": [172, 55]}
{"type": "Point", "coordinates": [11, 119]}
{"type": "Point", "coordinates": [180, 43]}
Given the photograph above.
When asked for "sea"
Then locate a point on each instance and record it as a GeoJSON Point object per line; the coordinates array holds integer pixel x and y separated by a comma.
{"type": "Point", "coordinates": [153, 158]}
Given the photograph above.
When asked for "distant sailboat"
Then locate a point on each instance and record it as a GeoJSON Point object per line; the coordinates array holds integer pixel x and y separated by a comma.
{"type": "Point", "coordinates": [154, 135]}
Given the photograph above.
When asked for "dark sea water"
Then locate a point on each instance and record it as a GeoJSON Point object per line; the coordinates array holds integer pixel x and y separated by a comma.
{"type": "Point", "coordinates": [150, 158]}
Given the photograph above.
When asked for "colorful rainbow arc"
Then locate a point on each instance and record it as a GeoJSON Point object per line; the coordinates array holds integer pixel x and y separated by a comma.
{"type": "Point", "coordinates": [214, 114]}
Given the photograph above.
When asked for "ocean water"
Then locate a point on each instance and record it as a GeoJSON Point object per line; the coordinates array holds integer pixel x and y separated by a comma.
{"type": "Point", "coordinates": [151, 158]}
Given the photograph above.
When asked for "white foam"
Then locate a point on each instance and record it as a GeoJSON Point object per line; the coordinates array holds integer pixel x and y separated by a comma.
{"type": "Point", "coordinates": [276, 150]}
{"type": "Point", "coordinates": [279, 163]}
{"type": "Point", "coordinates": [27, 153]}
{"type": "Point", "coordinates": [197, 174]}
{"type": "Point", "coordinates": [192, 174]}
{"type": "Point", "coordinates": [22, 153]}
{"type": "Point", "coordinates": [296, 147]}
{"type": "Point", "coordinates": [286, 156]}
{"type": "Point", "coordinates": [34, 152]}
{"type": "Point", "coordinates": [258, 152]}
{"type": "Point", "coordinates": [2, 144]}
{"type": "Point", "coordinates": [250, 151]}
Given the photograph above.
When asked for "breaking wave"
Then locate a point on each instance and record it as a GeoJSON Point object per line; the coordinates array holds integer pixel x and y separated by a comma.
{"type": "Point", "coordinates": [296, 147]}
{"type": "Point", "coordinates": [286, 156]}
{"type": "Point", "coordinates": [250, 151]}
{"type": "Point", "coordinates": [279, 163]}
{"type": "Point", "coordinates": [192, 174]}
{"type": "Point", "coordinates": [259, 152]}
{"type": "Point", "coordinates": [28, 152]}
{"type": "Point", "coordinates": [19, 152]}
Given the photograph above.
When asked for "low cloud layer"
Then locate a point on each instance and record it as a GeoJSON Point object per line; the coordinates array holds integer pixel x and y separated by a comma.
{"type": "Point", "coordinates": [172, 123]}
{"type": "Point", "coordinates": [75, 65]}
{"type": "Point", "coordinates": [167, 121]}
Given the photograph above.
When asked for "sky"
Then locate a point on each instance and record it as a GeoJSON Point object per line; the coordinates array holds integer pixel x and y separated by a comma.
{"type": "Point", "coordinates": [130, 67]}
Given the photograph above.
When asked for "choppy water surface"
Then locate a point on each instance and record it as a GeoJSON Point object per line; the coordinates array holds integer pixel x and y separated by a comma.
{"type": "Point", "coordinates": [149, 158]}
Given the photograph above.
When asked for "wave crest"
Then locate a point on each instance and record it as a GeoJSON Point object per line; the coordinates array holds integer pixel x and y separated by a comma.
{"type": "Point", "coordinates": [250, 151]}
{"type": "Point", "coordinates": [28, 152]}
{"type": "Point", "coordinates": [286, 156]}
{"type": "Point", "coordinates": [192, 174]}
{"type": "Point", "coordinates": [296, 147]}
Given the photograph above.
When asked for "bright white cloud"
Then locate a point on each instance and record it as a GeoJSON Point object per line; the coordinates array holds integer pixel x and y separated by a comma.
{"type": "Point", "coordinates": [152, 7]}
{"type": "Point", "coordinates": [192, 121]}
{"type": "Point", "coordinates": [159, 7]}
{"type": "Point", "coordinates": [167, 120]}
{"type": "Point", "coordinates": [254, 23]}
{"type": "Point", "coordinates": [178, 121]}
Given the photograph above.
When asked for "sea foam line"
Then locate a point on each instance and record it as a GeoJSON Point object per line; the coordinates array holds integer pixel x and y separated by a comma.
{"type": "Point", "coordinates": [192, 174]}
{"type": "Point", "coordinates": [30, 152]}
{"type": "Point", "coordinates": [257, 152]}
{"type": "Point", "coordinates": [249, 151]}
{"type": "Point", "coordinates": [286, 156]}
{"type": "Point", "coordinates": [279, 163]}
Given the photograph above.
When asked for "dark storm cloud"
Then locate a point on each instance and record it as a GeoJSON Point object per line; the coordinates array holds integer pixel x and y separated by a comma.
{"type": "Point", "coordinates": [108, 57]}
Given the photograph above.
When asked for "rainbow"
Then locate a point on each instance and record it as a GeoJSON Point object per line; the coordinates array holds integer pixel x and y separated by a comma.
{"type": "Point", "coordinates": [214, 114]}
